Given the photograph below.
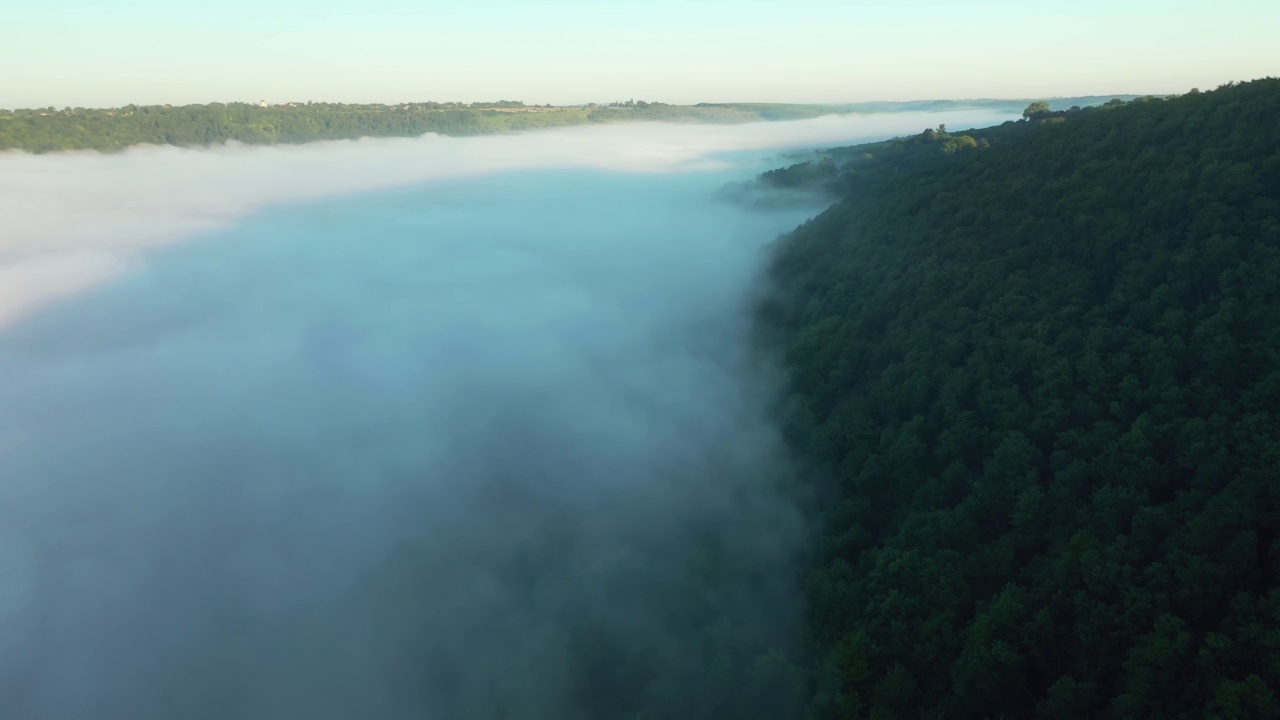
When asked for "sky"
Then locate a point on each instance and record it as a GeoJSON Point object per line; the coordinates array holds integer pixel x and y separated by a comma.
{"type": "Point", "coordinates": [85, 53]}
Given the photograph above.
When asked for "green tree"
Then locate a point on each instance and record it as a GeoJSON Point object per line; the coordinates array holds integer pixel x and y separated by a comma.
{"type": "Point", "coordinates": [1036, 110]}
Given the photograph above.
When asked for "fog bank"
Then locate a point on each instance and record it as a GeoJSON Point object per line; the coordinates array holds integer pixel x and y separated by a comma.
{"type": "Point", "coordinates": [69, 221]}
{"type": "Point", "coordinates": [489, 445]}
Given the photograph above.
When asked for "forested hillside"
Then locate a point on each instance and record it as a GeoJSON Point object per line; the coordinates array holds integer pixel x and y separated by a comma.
{"type": "Point", "coordinates": [1037, 373]}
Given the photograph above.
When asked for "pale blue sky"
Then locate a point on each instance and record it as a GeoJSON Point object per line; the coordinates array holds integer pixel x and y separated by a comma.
{"type": "Point", "coordinates": [94, 53]}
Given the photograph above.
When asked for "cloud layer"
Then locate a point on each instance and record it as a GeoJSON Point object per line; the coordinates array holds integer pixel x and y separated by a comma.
{"type": "Point", "coordinates": [490, 443]}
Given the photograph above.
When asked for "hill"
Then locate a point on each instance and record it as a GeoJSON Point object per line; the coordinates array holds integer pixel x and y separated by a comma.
{"type": "Point", "coordinates": [1036, 373]}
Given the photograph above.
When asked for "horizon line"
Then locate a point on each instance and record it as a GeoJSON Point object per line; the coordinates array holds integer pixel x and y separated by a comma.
{"type": "Point", "coordinates": [482, 103]}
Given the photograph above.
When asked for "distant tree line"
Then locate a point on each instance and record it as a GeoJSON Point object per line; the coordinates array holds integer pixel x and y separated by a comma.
{"type": "Point", "coordinates": [49, 129]}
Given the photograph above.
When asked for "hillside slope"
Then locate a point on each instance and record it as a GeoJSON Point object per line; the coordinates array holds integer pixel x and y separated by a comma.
{"type": "Point", "coordinates": [1038, 376]}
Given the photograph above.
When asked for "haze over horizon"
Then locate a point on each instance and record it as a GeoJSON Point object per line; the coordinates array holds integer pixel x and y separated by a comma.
{"type": "Point", "coordinates": [565, 52]}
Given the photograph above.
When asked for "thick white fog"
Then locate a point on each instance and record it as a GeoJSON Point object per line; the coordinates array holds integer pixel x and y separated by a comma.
{"type": "Point", "coordinates": [444, 428]}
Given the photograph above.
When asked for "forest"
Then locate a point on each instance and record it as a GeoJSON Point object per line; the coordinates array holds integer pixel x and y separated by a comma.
{"type": "Point", "coordinates": [1034, 375]}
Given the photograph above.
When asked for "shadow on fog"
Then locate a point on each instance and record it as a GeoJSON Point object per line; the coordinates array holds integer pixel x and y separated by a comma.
{"type": "Point", "coordinates": [480, 448]}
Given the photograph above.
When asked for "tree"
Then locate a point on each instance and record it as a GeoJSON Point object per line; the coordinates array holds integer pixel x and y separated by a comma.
{"type": "Point", "coordinates": [1036, 110]}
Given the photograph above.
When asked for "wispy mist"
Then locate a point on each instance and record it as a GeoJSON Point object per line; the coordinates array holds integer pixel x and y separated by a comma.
{"type": "Point", "coordinates": [71, 220]}
{"type": "Point", "coordinates": [490, 445]}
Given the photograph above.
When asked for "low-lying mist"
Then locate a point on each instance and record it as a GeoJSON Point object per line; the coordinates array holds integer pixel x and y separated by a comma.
{"type": "Point", "coordinates": [490, 445]}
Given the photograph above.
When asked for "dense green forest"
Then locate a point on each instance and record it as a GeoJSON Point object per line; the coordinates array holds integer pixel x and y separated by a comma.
{"type": "Point", "coordinates": [1036, 371]}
